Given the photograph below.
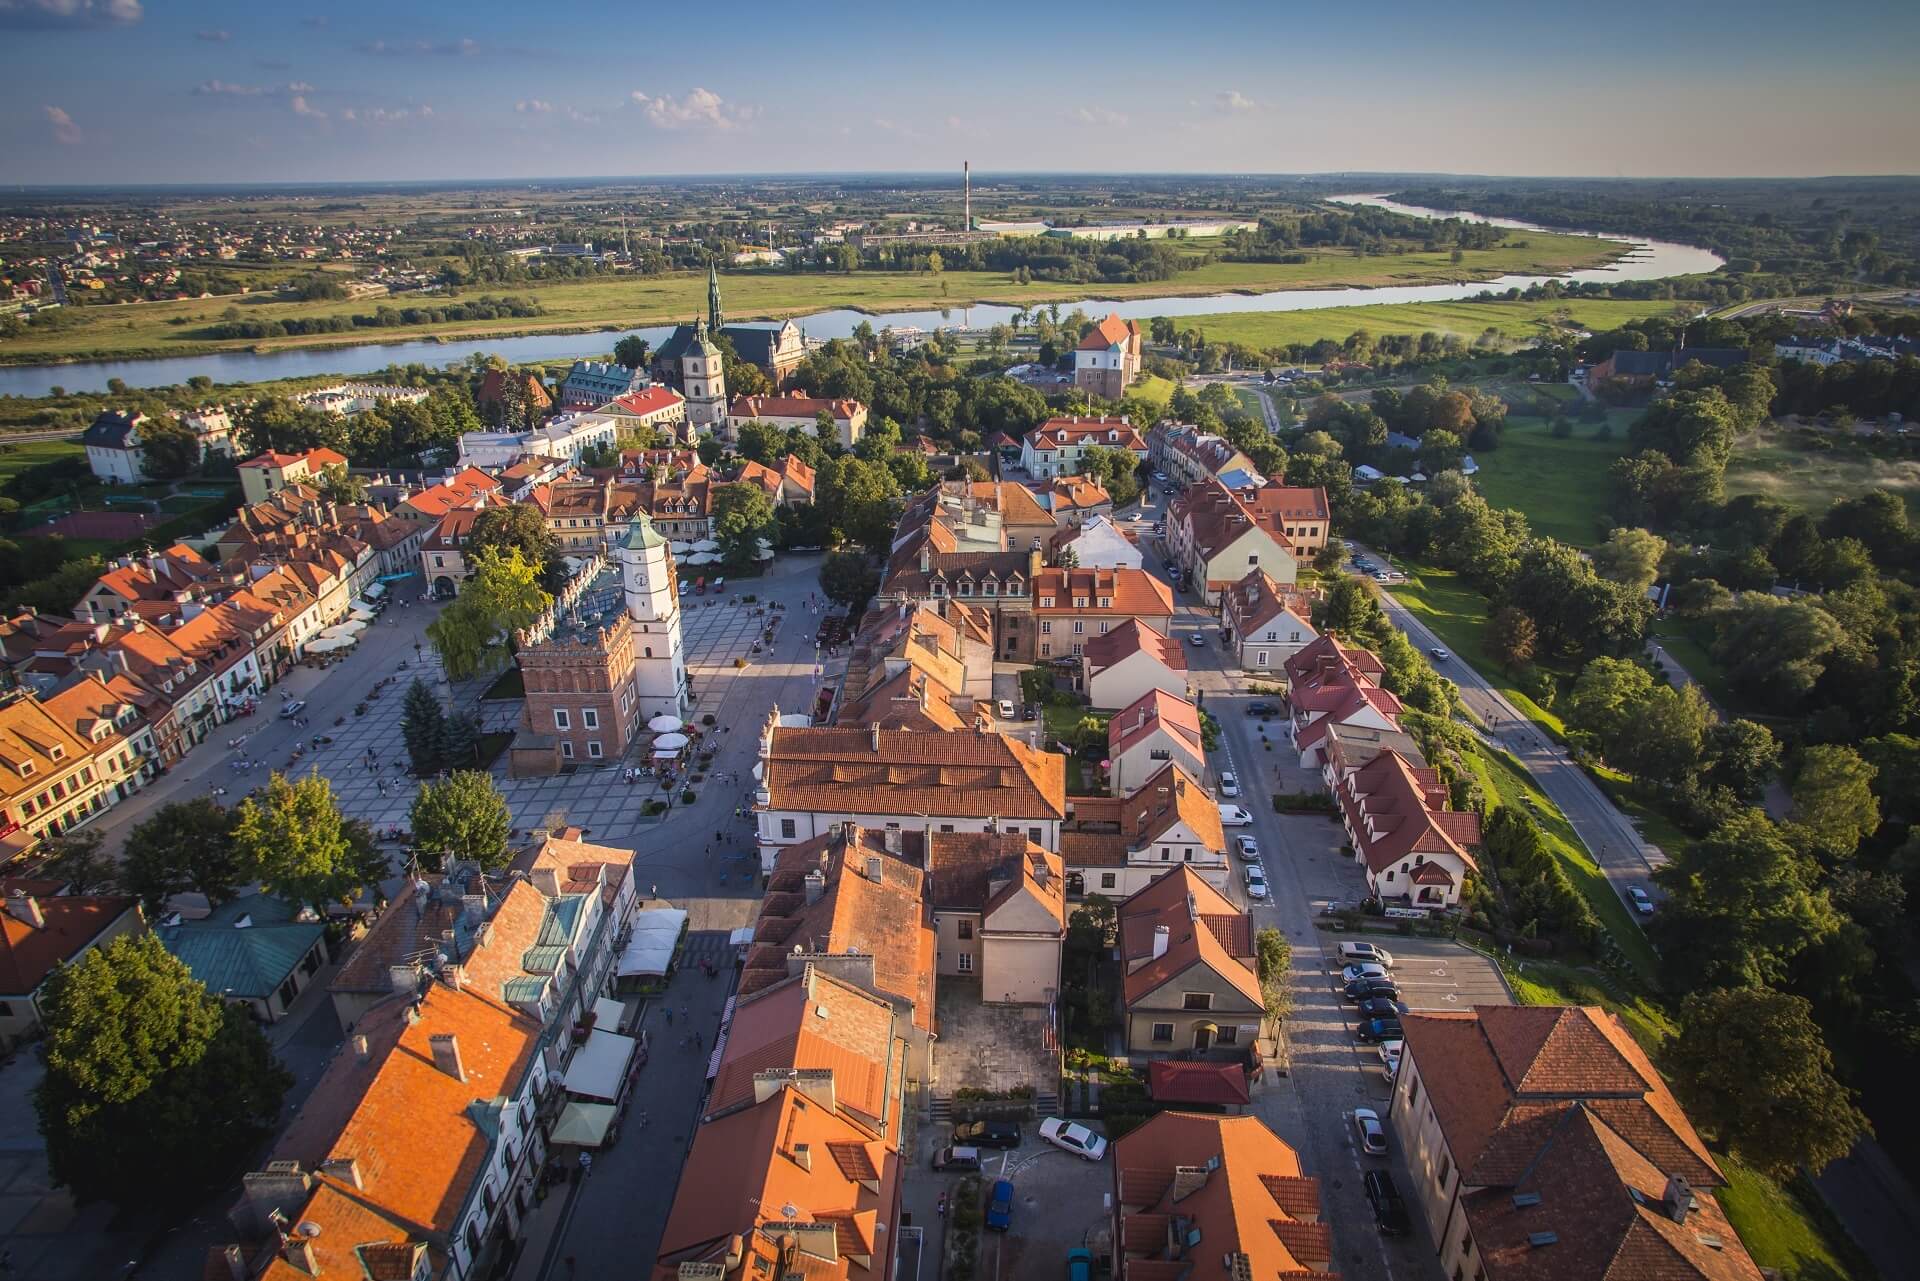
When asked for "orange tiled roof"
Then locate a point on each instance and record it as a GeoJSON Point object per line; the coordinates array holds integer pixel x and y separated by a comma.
{"type": "Point", "coordinates": [817, 1022]}
{"type": "Point", "coordinates": [1110, 332]}
{"type": "Point", "coordinates": [1130, 638]}
{"type": "Point", "coordinates": [1127, 591]}
{"type": "Point", "coordinates": [1203, 928]}
{"type": "Point", "coordinates": [861, 771]}
{"type": "Point", "coordinates": [28, 953]}
{"type": "Point", "coordinates": [1155, 710]}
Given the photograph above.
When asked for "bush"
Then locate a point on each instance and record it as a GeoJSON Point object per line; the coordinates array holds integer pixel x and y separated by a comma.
{"type": "Point", "coordinates": [1561, 429]}
{"type": "Point", "coordinates": [686, 796]}
{"type": "Point", "coordinates": [653, 808]}
{"type": "Point", "coordinates": [1309, 802]}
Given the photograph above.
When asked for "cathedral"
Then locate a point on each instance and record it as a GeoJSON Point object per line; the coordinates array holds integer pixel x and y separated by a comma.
{"type": "Point", "coordinates": [777, 348]}
{"type": "Point", "coordinates": [604, 661]}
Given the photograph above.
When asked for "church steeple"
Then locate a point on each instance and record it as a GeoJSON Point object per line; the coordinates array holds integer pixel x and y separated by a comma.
{"type": "Point", "coordinates": [714, 318]}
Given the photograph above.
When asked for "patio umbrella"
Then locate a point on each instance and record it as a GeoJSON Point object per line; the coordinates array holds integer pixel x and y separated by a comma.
{"type": "Point", "coordinates": [703, 558]}
{"type": "Point", "coordinates": [664, 724]}
{"type": "Point", "coordinates": [765, 553]}
{"type": "Point", "coordinates": [679, 548]}
{"type": "Point", "coordinates": [671, 742]}
{"type": "Point", "coordinates": [362, 615]}
{"type": "Point", "coordinates": [664, 753]}
{"type": "Point", "coordinates": [353, 625]}
{"type": "Point", "coordinates": [706, 545]}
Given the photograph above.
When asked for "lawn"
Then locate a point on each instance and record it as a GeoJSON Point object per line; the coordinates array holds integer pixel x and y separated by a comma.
{"type": "Point", "coordinates": [1768, 462]}
{"type": "Point", "coordinates": [1155, 388]}
{"type": "Point", "coordinates": [1781, 1230]}
{"type": "Point", "coordinates": [624, 301]}
{"type": "Point", "coordinates": [20, 455]}
{"type": "Point", "coordinates": [1516, 320]}
{"type": "Point", "coordinates": [1457, 614]}
{"type": "Point", "coordinates": [1560, 485]}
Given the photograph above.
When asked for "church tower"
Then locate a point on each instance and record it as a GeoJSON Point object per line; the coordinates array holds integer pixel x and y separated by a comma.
{"type": "Point", "coordinates": [704, 380]}
{"type": "Point", "coordinates": [653, 611]}
{"type": "Point", "coordinates": [715, 322]}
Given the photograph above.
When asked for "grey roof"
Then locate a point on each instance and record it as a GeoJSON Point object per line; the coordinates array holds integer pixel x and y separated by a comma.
{"type": "Point", "coordinates": [110, 431]}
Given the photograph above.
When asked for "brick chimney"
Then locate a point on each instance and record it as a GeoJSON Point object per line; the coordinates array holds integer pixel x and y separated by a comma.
{"type": "Point", "coordinates": [446, 1054]}
{"type": "Point", "coordinates": [546, 879]}
{"type": "Point", "coordinates": [25, 907]}
{"type": "Point", "coordinates": [298, 1251]}
{"type": "Point", "coordinates": [1188, 1179]}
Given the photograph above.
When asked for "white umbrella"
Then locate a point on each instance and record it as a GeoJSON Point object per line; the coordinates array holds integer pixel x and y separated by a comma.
{"type": "Point", "coordinates": [664, 724]}
{"type": "Point", "coordinates": [765, 546]}
{"type": "Point", "coordinates": [327, 644]}
{"type": "Point", "coordinates": [353, 626]}
{"type": "Point", "coordinates": [679, 548]}
{"type": "Point", "coordinates": [703, 558]}
{"type": "Point", "coordinates": [665, 754]}
{"type": "Point", "coordinates": [671, 742]}
{"type": "Point", "coordinates": [362, 615]}
{"type": "Point", "coordinates": [765, 553]}
{"type": "Point", "coordinates": [706, 545]}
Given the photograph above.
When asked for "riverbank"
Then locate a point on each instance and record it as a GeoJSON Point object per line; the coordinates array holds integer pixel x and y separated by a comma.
{"type": "Point", "coordinates": [138, 331]}
{"type": "Point", "coordinates": [1515, 321]}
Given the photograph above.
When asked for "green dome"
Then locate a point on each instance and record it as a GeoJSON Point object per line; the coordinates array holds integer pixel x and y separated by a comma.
{"type": "Point", "coordinates": [642, 536]}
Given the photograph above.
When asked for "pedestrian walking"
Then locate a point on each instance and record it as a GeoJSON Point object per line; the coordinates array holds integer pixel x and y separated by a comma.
{"type": "Point", "coordinates": [683, 1012]}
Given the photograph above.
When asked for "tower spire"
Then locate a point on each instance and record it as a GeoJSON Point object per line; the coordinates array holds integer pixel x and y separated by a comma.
{"type": "Point", "coordinates": [713, 298]}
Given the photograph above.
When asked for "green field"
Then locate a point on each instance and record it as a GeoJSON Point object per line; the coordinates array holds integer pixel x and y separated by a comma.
{"type": "Point", "coordinates": [1154, 388]}
{"type": "Point", "coordinates": [1457, 614]}
{"type": "Point", "coordinates": [1781, 1231]}
{"type": "Point", "coordinates": [626, 301]}
{"type": "Point", "coordinates": [1766, 462]}
{"type": "Point", "coordinates": [18, 457]}
{"type": "Point", "coordinates": [1517, 320]}
{"type": "Point", "coordinates": [1559, 485]}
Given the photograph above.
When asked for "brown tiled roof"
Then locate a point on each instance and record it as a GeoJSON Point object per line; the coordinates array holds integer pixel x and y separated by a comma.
{"type": "Point", "coordinates": [1015, 503]}
{"type": "Point", "coordinates": [353, 1237]}
{"type": "Point", "coordinates": [1257, 600]}
{"type": "Point", "coordinates": [581, 865]}
{"type": "Point", "coordinates": [860, 771]}
{"type": "Point", "coordinates": [494, 958]}
{"type": "Point", "coordinates": [1155, 709]}
{"type": "Point", "coordinates": [1398, 812]}
{"type": "Point", "coordinates": [816, 1021]}
{"type": "Point", "coordinates": [1128, 591]}
{"type": "Point", "coordinates": [1110, 332]}
{"type": "Point", "coordinates": [1172, 1081]}
{"type": "Point", "coordinates": [1204, 928]}
{"type": "Point", "coordinates": [1172, 796]}
{"type": "Point", "coordinates": [1129, 638]}
{"type": "Point", "coordinates": [1087, 431]}
{"type": "Point", "coordinates": [792, 407]}
{"type": "Point", "coordinates": [1251, 1199]}
{"type": "Point", "coordinates": [28, 953]}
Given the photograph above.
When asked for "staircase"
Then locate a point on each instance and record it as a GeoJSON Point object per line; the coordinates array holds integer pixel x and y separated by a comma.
{"type": "Point", "coordinates": [940, 1108]}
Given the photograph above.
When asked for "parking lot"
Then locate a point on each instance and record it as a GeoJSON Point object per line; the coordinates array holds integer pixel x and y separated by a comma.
{"type": "Point", "coordinates": [1432, 974]}
{"type": "Point", "coordinates": [1058, 1201]}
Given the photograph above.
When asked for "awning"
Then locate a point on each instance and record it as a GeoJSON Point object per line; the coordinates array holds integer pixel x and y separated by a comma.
{"type": "Point", "coordinates": [666, 753]}
{"type": "Point", "coordinates": [649, 950]}
{"type": "Point", "coordinates": [706, 545]}
{"type": "Point", "coordinates": [607, 1013]}
{"type": "Point", "coordinates": [584, 1125]}
{"type": "Point", "coordinates": [600, 1065]}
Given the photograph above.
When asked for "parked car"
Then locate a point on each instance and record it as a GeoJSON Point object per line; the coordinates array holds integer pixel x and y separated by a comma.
{"type": "Point", "coordinates": [1380, 1030]}
{"type": "Point", "coordinates": [1077, 1139]}
{"type": "Point", "coordinates": [1262, 709]}
{"type": "Point", "coordinates": [1641, 903]}
{"type": "Point", "coordinates": [1079, 1265]}
{"type": "Point", "coordinates": [1006, 709]}
{"type": "Point", "coordinates": [1234, 816]}
{"type": "Point", "coordinates": [1256, 882]}
{"type": "Point", "coordinates": [1360, 953]}
{"type": "Point", "coordinates": [1229, 783]}
{"type": "Point", "coordinates": [988, 1134]}
{"type": "Point", "coordinates": [291, 710]}
{"type": "Point", "coordinates": [1197, 640]}
{"type": "Point", "coordinates": [1368, 989]}
{"type": "Point", "coordinates": [1439, 655]}
{"type": "Point", "coordinates": [1033, 712]}
{"type": "Point", "coordinates": [1389, 1211]}
{"type": "Point", "coordinates": [1000, 1205]}
{"type": "Point", "coordinates": [1247, 848]}
{"type": "Point", "coordinates": [1381, 1007]}
{"type": "Point", "coordinates": [1363, 970]}
{"type": "Point", "coordinates": [1390, 1055]}
{"type": "Point", "coordinates": [1372, 1135]}
{"type": "Point", "coordinates": [956, 1158]}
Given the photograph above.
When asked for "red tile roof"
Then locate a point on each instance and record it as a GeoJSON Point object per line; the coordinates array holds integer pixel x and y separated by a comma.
{"type": "Point", "coordinates": [647, 401]}
{"type": "Point", "coordinates": [793, 407]}
{"type": "Point", "coordinates": [1130, 638]}
{"type": "Point", "coordinates": [866, 771]}
{"type": "Point", "coordinates": [1173, 1081]}
{"type": "Point", "coordinates": [816, 1022]}
{"type": "Point", "coordinates": [317, 459]}
{"type": "Point", "coordinates": [1397, 811]}
{"type": "Point", "coordinates": [1110, 332]}
{"type": "Point", "coordinates": [1127, 591]}
{"type": "Point", "coordinates": [1156, 709]}
{"type": "Point", "coordinates": [69, 924]}
{"type": "Point", "coordinates": [1203, 928]}
{"type": "Point", "coordinates": [1113, 433]}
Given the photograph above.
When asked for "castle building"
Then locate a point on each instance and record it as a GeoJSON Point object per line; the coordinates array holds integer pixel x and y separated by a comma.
{"type": "Point", "coordinates": [705, 383]}
{"type": "Point", "coordinates": [606, 660]}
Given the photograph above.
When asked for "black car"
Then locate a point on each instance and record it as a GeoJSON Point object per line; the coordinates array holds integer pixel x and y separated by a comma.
{"type": "Point", "coordinates": [1381, 1007]}
{"type": "Point", "coordinates": [988, 1134]}
{"type": "Point", "coordinates": [1262, 709]}
{"type": "Point", "coordinates": [1389, 1211]}
{"type": "Point", "coordinates": [1380, 1030]}
{"type": "Point", "coordinates": [1371, 989]}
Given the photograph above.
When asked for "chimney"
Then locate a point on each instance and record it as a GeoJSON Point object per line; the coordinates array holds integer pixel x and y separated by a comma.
{"type": "Point", "coordinates": [1035, 562]}
{"type": "Point", "coordinates": [236, 1260]}
{"type": "Point", "coordinates": [446, 1054]}
{"type": "Point", "coordinates": [875, 731]}
{"type": "Point", "coordinates": [1678, 1198]}
{"type": "Point", "coordinates": [403, 978]}
{"type": "Point", "coordinates": [346, 1169]}
{"type": "Point", "coordinates": [361, 1050]}
{"type": "Point", "coordinates": [803, 1156]}
{"type": "Point", "coordinates": [546, 880]}
{"type": "Point", "coordinates": [1188, 1179]}
{"type": "Point", "coordinates": [25, 907]}
{"type": "Point", "coordinates": [816, 882]}
{"type": "Point", "coordinates": [892, 839]}
{"type": "Point", "coordinates": [455, 977]}
{"type": "Point", "coordinates": [873, 868]}
{"type": "Point", "coordinates": [298, 1251]}
{"type": "Point", "coordinates": [1162, 935]}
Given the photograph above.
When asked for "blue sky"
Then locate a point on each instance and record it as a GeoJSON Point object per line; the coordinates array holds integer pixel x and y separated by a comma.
{"type": "Point", "coordinates": [138, 91]}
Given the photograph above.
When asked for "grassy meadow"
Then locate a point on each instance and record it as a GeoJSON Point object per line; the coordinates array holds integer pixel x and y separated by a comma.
{"type": "Point", "coordinates": [1517, 320]}
{"type": "Point", "coordinates": [1560, 485]}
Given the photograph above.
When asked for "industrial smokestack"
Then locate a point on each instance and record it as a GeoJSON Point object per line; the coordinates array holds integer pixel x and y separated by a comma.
{"type": "Point", "coordinates": [966, 199]}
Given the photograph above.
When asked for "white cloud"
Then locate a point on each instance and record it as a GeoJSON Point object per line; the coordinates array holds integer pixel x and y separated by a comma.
{"type": "Point", "coordinates": [386, 115]}
{"type": "Point", "coordinates": [1233, 102]}
{"type": "Point", "coordinates": [464, 47]}
{"type": "Point", "coordinates": [1098, 116]}
{"type": "Point", "coordinates": [700, 109]}
{"type": "Point", "coordinates": [69, 13]}
{"type": "Point", "coordinates": [580, 117]}
{"type": "Point", "coordinates": [65, 131]}
{"type": "Point", "coordinates": [213, 36]}
{"type": "Point", "coordinates": [532, 105]}
{"type": "Point", "coordinates": [298, 103]}
{"type": "Point", "coordinates": [228, 89]}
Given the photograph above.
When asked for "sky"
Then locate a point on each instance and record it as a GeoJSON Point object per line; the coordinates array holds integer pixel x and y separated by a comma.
{"type": "Point", "coordinates": [210, 91]}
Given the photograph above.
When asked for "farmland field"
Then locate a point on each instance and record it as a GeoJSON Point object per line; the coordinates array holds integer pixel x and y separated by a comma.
{"type": "Point", "coordinates": [1516, 320]}
{"type": "Point", "coordinates": [1766, 462]}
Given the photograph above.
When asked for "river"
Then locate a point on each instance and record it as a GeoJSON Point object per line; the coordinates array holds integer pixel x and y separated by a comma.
{"type": "Point", "coordinates": [1645, 260]}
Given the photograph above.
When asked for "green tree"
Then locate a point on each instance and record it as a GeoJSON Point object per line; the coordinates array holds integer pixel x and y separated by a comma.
{"type": "Point", "coordinates": [1741, 756]}
{"type": "Point", "coordinates": [1780, 1109]}
{"type": "Point", "coordinates": [462, 816]}
{"type": "Point", "coordinates": [293, 839]}
{"type": "Point", "coordinates": [856, 498]}
{"type": "Point", "coordinates": [848, 578]}
{"type": "Point", "coordinates": [77, 860]}
{"type": "Point", "coordinates": [1741, 908]}
{"type": "Point", "coordinates": [1630, 557]}
{"type": "Point", "coordinates": [187, 845]}
{"type": "Point", "coordinates": [473, 634]}
{"type": "Point", "coordinates": [742, 515]}
{"type": "Point", "coordinates": [760, 442]}
{"type": "Point", "coordinates": [1275, 970]}
{"type": "Point", "coordinates": [337, 485]}
{"type": "Point", "coordinates": [1511, 636]}
{"type": "Point", "coordinates": [1607, 700]}
{"type": "Point", "coordinates": [169, 448]}
{"type": "Point", "coordinates": [1896, 762]}
{"type": "Point", "coordinates": [519, 526]}
{"type": "Point", "coordinates": [632, 351]}
{"type": "Point", "coordinates": [423, 727]}
{"type": "Point", "coordinates": [1664, 746]}
{"type": "Point", "coordinates": [1834, 807]}
{"type": "Point", "coordinates": [146, 1072]}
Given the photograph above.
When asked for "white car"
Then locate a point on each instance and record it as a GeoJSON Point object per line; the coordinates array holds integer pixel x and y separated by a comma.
{"type": "Point", "coordinates": [1390, 1053]}
{"type": "Point", "coordinates": [1229, 783]}
{"type": "Point", "coordinates": [1372, 1135]}
{"type": "Point", "coordinates": [1234, 816]}
{"type": "Point", "coordinates": [292, 710]}
{"type": "Point", "coordinates": [1641, 903]}
{"type": "Point", "coordinates": [1077, 1139]}
{"type": "Point", "coordinates": [1256, 881]}
{"type": "Point", "coordinates": [1006, 709]}
{"type": "Point", "coordinates": [1354, 973]}
{"type": "Point", "coordinates": [1361, 953]}
{"type": "Point", "coordinates": [1248, 848]}
{"type": "Point", "coordinates": [1439, 655]}
{"type": "Point", "coordinates": [1197, 640]}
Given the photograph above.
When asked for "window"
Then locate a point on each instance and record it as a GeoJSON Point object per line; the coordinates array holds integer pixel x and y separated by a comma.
{"type": "Point", "coordinates": [1106, 602]}
{"type": "Point", "coordinates": [786, 828]}
{"type": "Point", "coordinates": [1033, 834]}
{"type": "Point", "coordinates": [1079, 602]}
{"type": "Point", "coordinates": [1226, 1035]}
{"type": "Point", "coordinates": [1159, 754]}
{"type": "Point", "coordinates": [1046, 650]}
{"type": "Point", "coordinates": [1079, 627]}
{"type": "Point", "coordinates": [589, 718]}
{"type": "Point", "coordinates": [1196, 1000]}
{"type": "Point", "coordinates": [966, 962]}
{"type": "Point", "coordinates": [966, 929]}
{"type": "Point", "coordinates": [1078, 648]}
{"type": "Point", "coordinates": [1046, 602]}
{"type": "Point", "coordinates": [1163, 1031]}
{"type": "Point", "coordinates": [560, 719]}
{"type": "Point", "coordinates": [989, 589]}
{"type": "Point", "coordinates": [1389, 876]}
{"type": "Point", "coordinates": [1413, 1090]}
{"type": "Point", "coordinates": [1259, 658]}
{"type": "Point", "coordinates": [946, 827]}
{"type": "Point", "coordinates": [1046, 627]}
{"type": "Point", "coordinates": [1446, 1169]}
{"type": "Point", "coordinates": [566, 749]}
{"type": "Point", "coordinates": [1108, 880]}
{"type": "Point", "coordinates": [593, 748]}
{"type": "Point", "coordinates": [1104, 624]}
{"type": "Point", "coordinates": [965, 589]}
{"type": "Point", "coordinates": [1166, 853]}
